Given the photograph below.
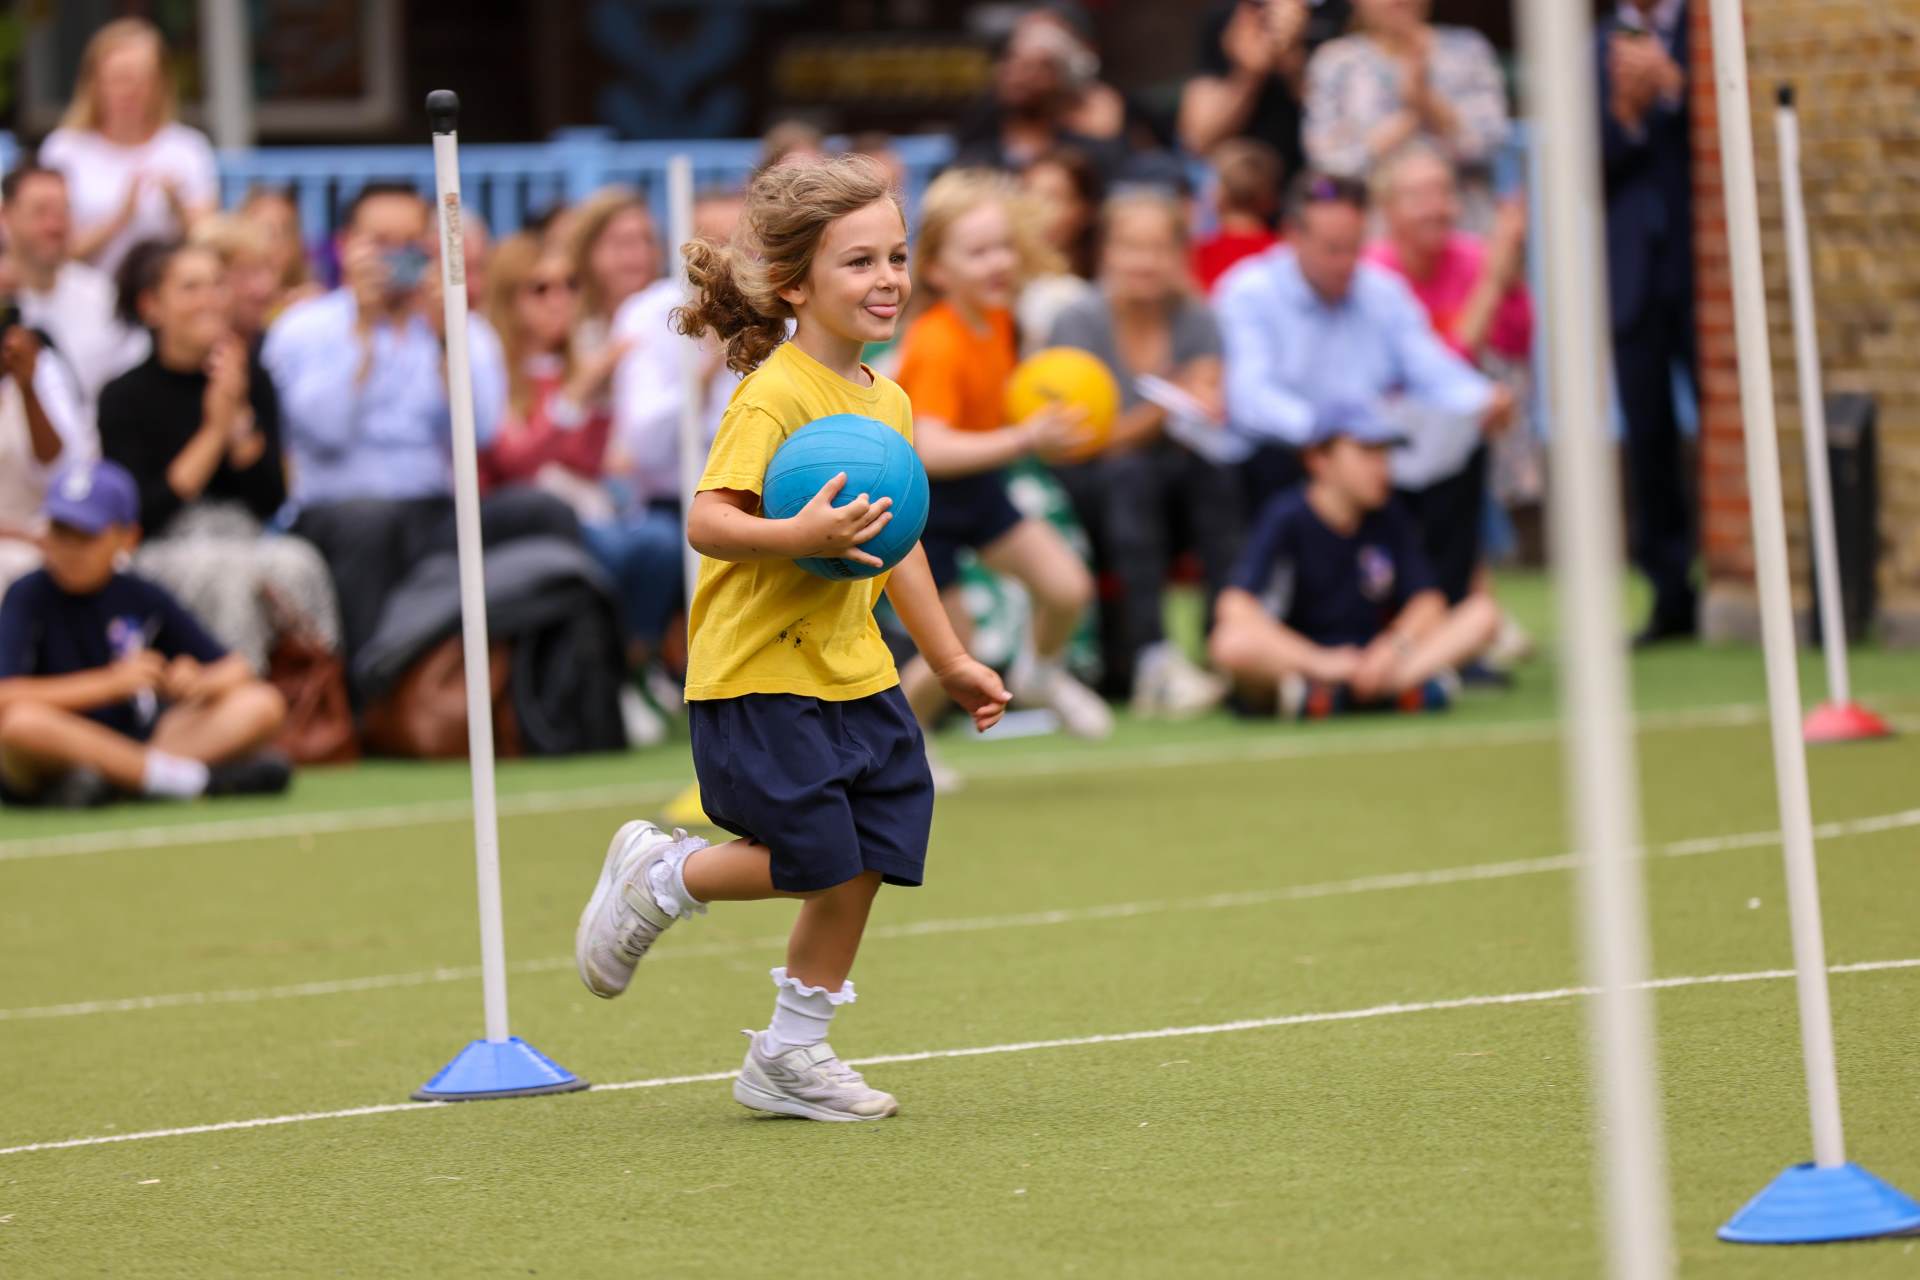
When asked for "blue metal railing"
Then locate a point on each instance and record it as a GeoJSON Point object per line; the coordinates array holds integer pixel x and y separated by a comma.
{"type": "Point", "coordinates": [511, 183]}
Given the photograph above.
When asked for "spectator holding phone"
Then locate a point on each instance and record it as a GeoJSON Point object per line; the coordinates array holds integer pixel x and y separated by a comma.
{"type": "Point", "coordinates": [135, 172]}
{"type": "Point", "coordinates": [362, 382]}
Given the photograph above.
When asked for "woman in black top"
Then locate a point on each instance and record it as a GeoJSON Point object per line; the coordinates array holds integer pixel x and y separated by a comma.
{"type": "Point", "coordinates": [198, 426]}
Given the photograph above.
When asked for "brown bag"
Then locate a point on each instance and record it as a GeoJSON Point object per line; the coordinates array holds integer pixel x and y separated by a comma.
{"type": "Point", "coordinates": [313, 680]}
{"type": "Point", "coordinates": [424, 716]}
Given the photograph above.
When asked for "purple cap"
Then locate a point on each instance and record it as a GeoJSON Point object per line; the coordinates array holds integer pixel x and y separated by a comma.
{"type": "Point", "coordinates": [93, 496]}
{"type": "Point", "coordinates": [1358, 422]}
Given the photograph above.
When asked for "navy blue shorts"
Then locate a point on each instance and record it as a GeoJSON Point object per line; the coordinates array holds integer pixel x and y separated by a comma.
{"type": "Point", "coordinates": [973, 511]}
{"type": "Point", "coordinates": [832, 788]}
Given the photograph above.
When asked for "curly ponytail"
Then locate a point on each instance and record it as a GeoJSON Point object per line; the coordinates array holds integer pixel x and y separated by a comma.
{"type": "Point", "coordinates": [735, 288]}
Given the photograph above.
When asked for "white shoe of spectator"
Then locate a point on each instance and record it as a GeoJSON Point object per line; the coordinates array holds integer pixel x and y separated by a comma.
{"type": "Point", "coordinates": [1511, 646]}
{"type": "Point", "coordinates": [1166, 685]}
{"type": "Point", "coordinates": [1082, 713]}
{"type": "Point", "coordinates": [667, 693]}
{"type": "Point", "coordinates": [946, 778]}
{"type": "Point", "coordinates": [645, 726]}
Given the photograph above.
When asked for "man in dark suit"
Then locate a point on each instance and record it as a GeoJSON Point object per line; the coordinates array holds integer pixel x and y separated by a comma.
{"type": "Point", "coordinates": [1645, 150]}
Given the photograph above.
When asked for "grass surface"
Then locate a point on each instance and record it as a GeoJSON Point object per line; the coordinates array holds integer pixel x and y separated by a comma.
{"type": "Point", "coordinates": [1175, 877]}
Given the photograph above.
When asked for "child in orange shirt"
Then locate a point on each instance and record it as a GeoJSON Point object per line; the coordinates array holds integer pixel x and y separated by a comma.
{"type": "Point", "coordinates": [974, 250]}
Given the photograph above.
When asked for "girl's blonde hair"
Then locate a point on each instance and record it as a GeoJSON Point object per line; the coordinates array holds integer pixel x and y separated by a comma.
{"type": "Point", "coordinates": [83, 113]}
{"type": "Point", "coordinates": [232, 237]}
{"type": "Point", "coordinates": [589, 224]}
{"type": "Point", "coordinates": [512, 265]}
{"type": "Point", "coordinates": [736, 287]}
{"type": "Point", "coordinates": [958, 192]}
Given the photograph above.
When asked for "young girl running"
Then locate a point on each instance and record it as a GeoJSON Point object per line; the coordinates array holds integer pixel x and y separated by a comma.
{"type": "Point", "coordinates": [975, 250]}
{"type": "Point", "coordinates": [802, 742]}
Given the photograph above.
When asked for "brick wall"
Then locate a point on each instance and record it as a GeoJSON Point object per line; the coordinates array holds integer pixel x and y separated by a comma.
{"type": "Point", "coordinates": [1856, 67]}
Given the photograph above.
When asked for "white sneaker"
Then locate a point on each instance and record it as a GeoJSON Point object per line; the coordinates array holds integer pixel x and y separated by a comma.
{"type": "Point", "coordinates": [621, 919]}
{"type": "Point", "coordinates": [1082, 712]}
{"type": "Point", "coordinates": [644, 726]}
{"type": "Point", "coordinates": [809, 1082]}
{"type": "Point", "coordinates": [1168, 686]}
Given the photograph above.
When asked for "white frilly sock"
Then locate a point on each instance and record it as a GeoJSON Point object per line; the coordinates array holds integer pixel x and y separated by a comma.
{"type": "Point", "coordinates": [801, 1014]}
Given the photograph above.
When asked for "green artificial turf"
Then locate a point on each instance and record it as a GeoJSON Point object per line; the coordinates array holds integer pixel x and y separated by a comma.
{"type": "Point", "coordinates": [1176, 877]}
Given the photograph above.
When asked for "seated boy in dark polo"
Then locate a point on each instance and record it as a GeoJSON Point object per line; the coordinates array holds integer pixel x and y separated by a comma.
{"type": "Point", "coordinates": [1333, 605]}
{"type": "Point", "coordinates": [107, 685]}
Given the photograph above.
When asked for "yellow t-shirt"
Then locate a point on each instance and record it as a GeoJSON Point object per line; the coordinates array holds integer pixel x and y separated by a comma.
{"type": "Point", "coordinates": [768, 626]}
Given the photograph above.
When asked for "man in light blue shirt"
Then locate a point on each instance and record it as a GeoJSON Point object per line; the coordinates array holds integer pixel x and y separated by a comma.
{"type": "Point", "coordinates": [363, 400]}
{"type": "Point", "coordinates": [1308, 325]}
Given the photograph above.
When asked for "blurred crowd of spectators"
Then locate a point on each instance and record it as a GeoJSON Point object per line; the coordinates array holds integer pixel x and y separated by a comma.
{"type": "Point", "coordinates": [282, 409]}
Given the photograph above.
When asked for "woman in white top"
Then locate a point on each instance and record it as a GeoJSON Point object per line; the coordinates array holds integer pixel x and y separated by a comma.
{"type": "Point", "coordinates": [133, 172]}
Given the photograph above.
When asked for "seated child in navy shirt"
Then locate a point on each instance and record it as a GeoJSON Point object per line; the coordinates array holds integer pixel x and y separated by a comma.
{"type": "Point", "coordinates": [1333, 604]}
{"type": "Point", "coordinates": [107, 684]}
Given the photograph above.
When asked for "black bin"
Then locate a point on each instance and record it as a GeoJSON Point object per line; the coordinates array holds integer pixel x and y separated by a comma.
{"type": "Point", "coordinates": [1853, 466]}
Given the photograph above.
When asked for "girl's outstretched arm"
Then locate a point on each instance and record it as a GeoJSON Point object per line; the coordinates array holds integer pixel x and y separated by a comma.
{"type": "Point", "coordinates": [969, 682]}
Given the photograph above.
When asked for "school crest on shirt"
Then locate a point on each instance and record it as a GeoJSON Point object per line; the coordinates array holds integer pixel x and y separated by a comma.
{"type": "Point", "coordinates": [125, 636]}
{"type": "Point", "coordinates": [1376, 573]}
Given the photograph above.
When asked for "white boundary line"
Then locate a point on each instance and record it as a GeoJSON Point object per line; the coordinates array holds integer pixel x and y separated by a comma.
{"type": "Point", "coordinates": [1695, 847]}
{"type": "Point", "coordinates": [1023, 1046]}
{"type": "Point", "coordinates": [1305, 744]}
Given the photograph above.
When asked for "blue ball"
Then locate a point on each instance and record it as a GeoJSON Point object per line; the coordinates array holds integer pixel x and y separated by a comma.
{"type": "Point", "coordinates": [879, 462]}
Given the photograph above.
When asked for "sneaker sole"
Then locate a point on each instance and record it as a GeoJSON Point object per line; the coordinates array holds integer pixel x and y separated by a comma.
{"type": "Point", "coordinates": [754, 1098]}
{"type": "Point", "coordinates": [608, 884]}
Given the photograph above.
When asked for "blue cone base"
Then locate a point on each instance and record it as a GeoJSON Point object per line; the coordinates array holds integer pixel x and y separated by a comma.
{"type": "Point", "coordinates": [1808, 1205]}
{"type": "Point", "coordinates": [513, 1069]}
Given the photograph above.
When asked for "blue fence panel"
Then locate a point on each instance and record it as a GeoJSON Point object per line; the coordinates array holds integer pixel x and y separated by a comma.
{"type": "Point", "coordinates": [513, 183]}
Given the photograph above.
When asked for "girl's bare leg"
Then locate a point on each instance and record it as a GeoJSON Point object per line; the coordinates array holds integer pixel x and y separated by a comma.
{"type": "Point", "coordinates": [826, 937]}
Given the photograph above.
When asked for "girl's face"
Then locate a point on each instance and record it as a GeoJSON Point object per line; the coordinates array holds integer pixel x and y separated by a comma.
{"type": "Point", "coordinates": [188, 309]}
{"type": "Point", "coordinates": [280, 225]}
{"type": "Point", "coordinates": [253, 279]}
{"type": "Point", "coordinates": [127, 87]}
{"type": "Point", "coordinates": [1063, 214]}
{"type": "Point", "coordinates": [858, 284]}
{"type": "Point", "coordinates": [1141, 261]}
{"type": "Point", "coordinates": [979, 265]}
{"type": "Point", "coordinates": [625, 259]}
{"type": "Point", "coordinates": [546, 304]}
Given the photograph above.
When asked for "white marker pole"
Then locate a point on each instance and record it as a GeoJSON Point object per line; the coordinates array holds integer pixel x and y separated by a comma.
{"type": "Point", "coordinates": [1770, 568]}
{"type": "Point", "coordinates": [501, 1065]}
{"type": "Point", "coordinates": [1813, 413]}
{"type": "Point", "coordinates": [473, 595]}
{"type": "Point", "coordinates": [1603, 796]}
{"type": "Point", "coordinates": [693, 399]}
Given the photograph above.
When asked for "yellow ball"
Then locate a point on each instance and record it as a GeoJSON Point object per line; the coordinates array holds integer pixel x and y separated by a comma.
{"type": "Point", "coordinates": [1066, 376]}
